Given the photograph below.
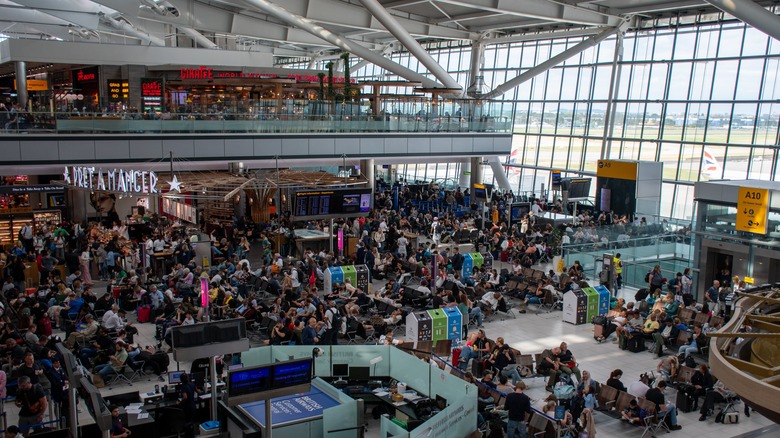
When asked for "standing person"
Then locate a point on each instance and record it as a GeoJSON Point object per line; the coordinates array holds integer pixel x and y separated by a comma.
{"type": "Point", "coordinates": [31, 401]}
{"type": "Point", "coordinates": [518, 407]}
{"type": "Point", "coordinates": [187, 394]}
{"type": "Point", "coordinates": [26, 236]}
{"type": "Point", "coordinates": [711, 296]}
{"type": "Point", "coordinates": [618, 264]}
{"type": "Point", "coordinates": [84, 264]}
{"type": "Point", "coordinates": [655, 278]}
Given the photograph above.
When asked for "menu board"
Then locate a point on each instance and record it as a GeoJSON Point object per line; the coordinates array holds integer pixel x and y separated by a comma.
{"type": "Point", "coordinates": [180, 210]}
{"type": "Point", "coordinates": [151, 95]}
{"type": "Point", "coordinates": [324, 204]}
{"type": "Point", "coordinates": [118, 90]}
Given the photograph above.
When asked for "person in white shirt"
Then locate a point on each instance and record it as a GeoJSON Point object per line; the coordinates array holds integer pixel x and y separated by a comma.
{"type": "Point", "coordinates": [490, 299]}
{"type": "Point", "coordinates": [638, 388]}
{"type": "Point", "coordinates": [159, 245]}
{"type": "Point", "coordinates": [110, 313]}
{"type": "Point", "coordinates": [435, 235]}
{"type": "Point", "coordinates": [536, 208]}
{"type": "Point", "coordinates": [115, 321]}
{"type": "Point", "coordinates": [402, 243]}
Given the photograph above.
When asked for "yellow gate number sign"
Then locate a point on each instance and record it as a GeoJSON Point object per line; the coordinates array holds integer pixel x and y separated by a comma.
{"type": "Point", "coordinates": [752, 210]}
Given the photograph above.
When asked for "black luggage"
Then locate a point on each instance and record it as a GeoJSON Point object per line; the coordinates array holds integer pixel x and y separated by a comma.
{"type": "Point", "coordinates": [635, 344]}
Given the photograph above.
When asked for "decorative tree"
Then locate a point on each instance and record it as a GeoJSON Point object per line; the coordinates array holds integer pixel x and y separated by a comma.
{"type": "Point", "coordinates": [347, 86]}
{"type": "Point", "coordinates": [321, 76]}
{"type": "Point", "coordinates": [329, 66]}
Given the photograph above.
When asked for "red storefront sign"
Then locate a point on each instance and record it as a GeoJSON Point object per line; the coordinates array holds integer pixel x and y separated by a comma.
{"type": "Point", "coordinates": [208, 73]}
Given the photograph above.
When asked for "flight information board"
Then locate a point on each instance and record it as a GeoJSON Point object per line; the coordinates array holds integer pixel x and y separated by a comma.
{"type": "Point", "coordinates": [324, 204]}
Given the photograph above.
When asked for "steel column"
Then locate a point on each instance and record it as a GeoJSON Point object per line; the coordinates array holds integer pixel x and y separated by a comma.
{"type": "Point", "coordinates": [555, 60]}
{"type": "Point", "coordinates": [340, 41]}
{"type": "Point", "coordinates": [398, 31]}
{"type": "Point", "coordinates": [752, 14]}
{"type": "Point", "coordinates": [198, 37]}
{"type": "Point", "coordinates": [614, 86]}
{"type": "Point", "coordinates": [21, 84]}
{"type": "Point", "coordinates": [499, 173]}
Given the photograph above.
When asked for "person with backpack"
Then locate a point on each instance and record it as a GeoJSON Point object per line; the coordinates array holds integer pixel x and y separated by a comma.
{"type": "Point", "coordinates": [334, 321]}
{"type": "Point", "coordinates": [655, 278]}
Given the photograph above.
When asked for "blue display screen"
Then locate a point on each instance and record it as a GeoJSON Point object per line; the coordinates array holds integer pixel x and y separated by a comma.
{"type": "Point", "coordinates": [292, 373]}
{"type": "Point", "coordinates": [249, 381]}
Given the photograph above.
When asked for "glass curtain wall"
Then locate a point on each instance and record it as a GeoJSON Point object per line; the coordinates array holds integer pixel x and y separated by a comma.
{"type": "Point", "coordinates": [700, 93]}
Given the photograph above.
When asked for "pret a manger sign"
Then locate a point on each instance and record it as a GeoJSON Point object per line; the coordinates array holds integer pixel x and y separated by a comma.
{"type": "Point", "coordinates": [115, 180]}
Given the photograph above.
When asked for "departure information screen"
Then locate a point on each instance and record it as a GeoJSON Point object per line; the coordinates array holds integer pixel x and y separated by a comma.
{"type": "Point", "coordinates": [323, 204]}
{"type": "Point", "coordinates": [292, 373]}
{"type": "Point", "coordinates": [249, 381]}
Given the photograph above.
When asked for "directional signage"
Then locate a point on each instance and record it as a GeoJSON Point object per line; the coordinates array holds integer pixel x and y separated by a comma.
{"type": "Point", "coordinates": [752, 210]}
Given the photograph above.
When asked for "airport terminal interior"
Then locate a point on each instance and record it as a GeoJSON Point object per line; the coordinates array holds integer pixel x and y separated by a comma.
{"type": "Point", "coordinates": [389, 218]}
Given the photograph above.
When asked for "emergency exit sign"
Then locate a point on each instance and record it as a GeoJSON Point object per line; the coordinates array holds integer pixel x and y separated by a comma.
{"type": "Point", "coordinates": [752, 210]}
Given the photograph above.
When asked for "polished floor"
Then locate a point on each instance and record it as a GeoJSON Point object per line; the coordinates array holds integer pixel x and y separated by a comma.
{"type": "Point", "coordinates": [531, 333]}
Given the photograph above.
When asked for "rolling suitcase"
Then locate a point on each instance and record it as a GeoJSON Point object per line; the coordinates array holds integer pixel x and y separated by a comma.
{"type": "Point", "coordinates": [144, 313]}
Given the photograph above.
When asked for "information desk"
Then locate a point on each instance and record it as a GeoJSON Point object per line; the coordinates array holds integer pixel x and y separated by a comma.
{"type": "Point", "coordinates": [555, 219]}
{"type": "Point", "coordinates": [290, 409]}
{"type": "Point", "coordinates": [314, 239]}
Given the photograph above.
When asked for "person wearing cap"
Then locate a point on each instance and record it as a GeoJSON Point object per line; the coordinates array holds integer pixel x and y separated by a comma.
{"type": "Point", "coordinates": [115, 362]}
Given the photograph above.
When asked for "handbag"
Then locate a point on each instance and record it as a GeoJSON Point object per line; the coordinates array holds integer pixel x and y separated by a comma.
{"type": "Point", "coordinates": [599, 320]}
{"type": "Point", "coordinates": [563, 391]}
{"type": "Point", "coordinates": [571, 365]}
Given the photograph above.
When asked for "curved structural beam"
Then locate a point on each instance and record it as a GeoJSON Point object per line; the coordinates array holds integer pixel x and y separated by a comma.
{"type": "Point", "coordinates": [555, 60]}
{"type": "Point", "coordinates": [198, 38]}
{"type": "Point", "coordinates": [499, 173]}
{"type": "Point", "coordinates": [752, 14]}
{"type": "Point", "coordinates": [398, 31]}
{"type": "Point", "coordinates": [120, 23]}
{"type": "Point", "coordinates": [340, 41]}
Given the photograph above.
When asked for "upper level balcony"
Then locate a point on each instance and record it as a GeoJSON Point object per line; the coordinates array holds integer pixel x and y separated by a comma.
{"type": "Point", "coordinates": [297, 117]}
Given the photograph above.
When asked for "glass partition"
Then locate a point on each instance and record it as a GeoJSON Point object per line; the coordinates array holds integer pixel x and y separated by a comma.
{"type": "Point", "coordinates": [416, 114]}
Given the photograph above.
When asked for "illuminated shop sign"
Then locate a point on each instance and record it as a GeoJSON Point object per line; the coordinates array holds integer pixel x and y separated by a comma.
{"type": "Point", "coordinates": [151, 94]}
{"type": "Point", "coordinates": [118, 90]}
{"type": "Point", "coordinates": [207, 73]}
{"type": "Point", "coordinates": [85, 75]}
{"type": "Point", "coordinates": [115, 180]}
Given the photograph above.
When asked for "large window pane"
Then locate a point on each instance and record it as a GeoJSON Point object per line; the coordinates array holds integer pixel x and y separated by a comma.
{"type": "Point", "coordinates": [689, 163]}
{"type": "Point", "coordinates": [755, 42]}
{"type": "Point", "coordinates": [681, 76]}
{"type": "Point", "coordinates": [670, 154]}
{"type": "Point", "coordinates": [686, 42]}
{"type": "Point", "coordinates": [592, 155]}
{"type": "Point", "coordinates": [766, 125]}
{"type": "Point", "coordinates": [702, 80]}
{"type": "Point", "coordinates": [657, 87]}
{"type": "Point", "coordinates": [761, 164]}
{"type": "Point", "coordinates": [718, 123]}
{"type": "Point", "coordinates": [742, 123]}
{"type": "Point", "coordinates": [725, 76]}
{"type": "Point", "coordinates": [731, 40]}
{"type": "Point", "coordinates": [663, 45]}
{"type": "Point", "coordinates": [707, 44]}
{"type": "Point", "coordinates": [750, 72]}
{"type": "Point", "coordinates": [554, 77]}
{"type": "Point", "coordinates": [674, 122]}
{"type": "Point", "coordinates": [601, 86]}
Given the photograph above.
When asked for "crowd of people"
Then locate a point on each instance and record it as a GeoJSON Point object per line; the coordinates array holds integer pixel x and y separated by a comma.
{"type": "Point", "coordinates": [281, 292]}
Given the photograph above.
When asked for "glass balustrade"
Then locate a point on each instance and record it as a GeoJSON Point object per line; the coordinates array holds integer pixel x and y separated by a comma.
{"type": "Point", "coordinates": [313, 117]}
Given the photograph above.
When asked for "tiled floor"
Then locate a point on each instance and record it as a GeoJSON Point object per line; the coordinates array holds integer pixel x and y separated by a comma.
{"type": "Point", "coordinates": [531, 333]}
